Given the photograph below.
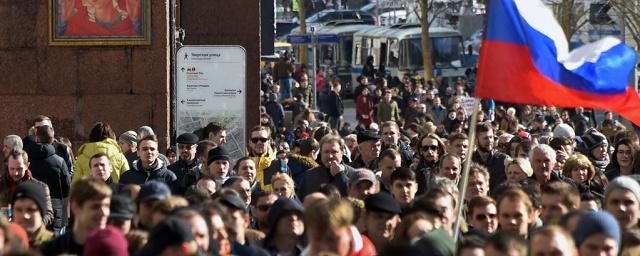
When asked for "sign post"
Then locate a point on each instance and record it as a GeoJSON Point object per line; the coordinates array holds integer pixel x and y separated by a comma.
{"type": "Point", "coordinates": [315, 72]}
{"type": "Point", "coordinates": [210, 87]}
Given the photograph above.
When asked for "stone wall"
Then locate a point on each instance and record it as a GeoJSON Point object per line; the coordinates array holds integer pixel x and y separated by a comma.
{"type": "Point", "coordinates": [126, 86]}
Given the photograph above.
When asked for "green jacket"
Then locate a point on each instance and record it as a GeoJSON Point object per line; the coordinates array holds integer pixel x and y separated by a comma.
{"type": "Point", "coordinates": [307, 95]}
{"type": "Point", "coordinates": [387, 111]}
{"type": "Point", "coordinates": [109, 147]}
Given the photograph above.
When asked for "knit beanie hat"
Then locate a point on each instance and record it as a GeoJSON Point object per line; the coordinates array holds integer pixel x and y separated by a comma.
{"type": "Point", "coordinates": [564, 130]}
{"type": "Point", "coordinates": [106, 241]}
{"type": "Point", "coordinates": [623, 182]}
{"type": "Point", "coordinates": [32, 190]}
{"type": "Point", "coordinates": [592, 138]}
{"type": "Point", "coordinates": [217, 153]}
{"type": "Point", "coordinates": [594, 223]}
{"type": "Point", "coordinates": [129, 137]}
{"type": "Point", "coordinates": [280, 208]}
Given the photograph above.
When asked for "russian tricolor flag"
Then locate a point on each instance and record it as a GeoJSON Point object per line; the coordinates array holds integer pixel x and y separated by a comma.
{"type": "Point", "coordinates": [525, 59]}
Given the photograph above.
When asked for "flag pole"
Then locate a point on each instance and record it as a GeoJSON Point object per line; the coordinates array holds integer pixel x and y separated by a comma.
{"type": "Point", "coordinates": [462, 186]}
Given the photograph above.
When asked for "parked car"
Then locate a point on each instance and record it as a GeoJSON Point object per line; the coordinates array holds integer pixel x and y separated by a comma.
{"type": "Point", "coordinates": [345, 14]}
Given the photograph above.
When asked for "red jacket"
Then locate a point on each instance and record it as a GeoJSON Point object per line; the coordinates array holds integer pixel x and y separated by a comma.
{"type": "Point", "coordinates": [364, 109]}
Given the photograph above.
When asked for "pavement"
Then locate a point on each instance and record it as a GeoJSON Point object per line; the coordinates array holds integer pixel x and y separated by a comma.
{"type": "Point", "coordinates": [349, 115]}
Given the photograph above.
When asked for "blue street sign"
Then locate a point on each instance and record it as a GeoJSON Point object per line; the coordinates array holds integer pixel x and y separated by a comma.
{"type": "Point", "coordinates": [327, 39]}
{"type": "Point", "coordinates": [299, 39]}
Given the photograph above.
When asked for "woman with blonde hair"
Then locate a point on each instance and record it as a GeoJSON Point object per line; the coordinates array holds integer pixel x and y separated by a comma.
{"type": "Point", "coordinates": [517, 169]}
{"type": "Point", "coordinates": [283, 186]}
{"type": "Point", "coordinates": [581, 170]}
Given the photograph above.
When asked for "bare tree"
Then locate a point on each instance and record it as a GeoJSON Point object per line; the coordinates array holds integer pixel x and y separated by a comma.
{"type": "Point", "coordinates": [428, 11]}
{"type": "Point", "coordinates": [628, 11]}
{"type": "Point", "coordinates": [571, 14]}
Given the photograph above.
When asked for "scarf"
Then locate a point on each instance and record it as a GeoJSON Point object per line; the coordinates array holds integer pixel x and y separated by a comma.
{"type": "Point", "coordinates": [600, 165]}
{"type": "Point", "coordinates": [11, 184]}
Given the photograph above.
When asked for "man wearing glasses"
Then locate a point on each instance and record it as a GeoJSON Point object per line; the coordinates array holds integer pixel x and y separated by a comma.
{"type": "Point", "coordinates": [429, 151]}
{"type": "Point", "coordinates": [483, 214]}
{"type": "Point", "coordinates": [260, 211]}
{"type": "Point", "coordinates": [261, 153]}
{"type": "Point", "coordinates": [187, 168]}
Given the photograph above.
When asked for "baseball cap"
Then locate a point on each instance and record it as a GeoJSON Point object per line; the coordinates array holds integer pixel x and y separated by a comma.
{"type": "Point", "coordinates": [153, 190]}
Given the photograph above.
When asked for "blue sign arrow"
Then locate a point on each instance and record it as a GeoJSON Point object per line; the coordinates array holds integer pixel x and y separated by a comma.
{"type": "Point", "coordinates": [327, 39]}
{"type": "Point", "coordinates": [299, 39]}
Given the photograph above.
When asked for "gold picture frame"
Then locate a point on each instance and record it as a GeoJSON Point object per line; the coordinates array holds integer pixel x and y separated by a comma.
{"type": "Point", "coordinates": [99, 22]}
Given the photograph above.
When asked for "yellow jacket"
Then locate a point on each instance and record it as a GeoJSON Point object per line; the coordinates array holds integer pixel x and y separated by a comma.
{"type": "Point", "coordinates": [262, 163]}
{"type": "Point", "coordinates": [108, 147]}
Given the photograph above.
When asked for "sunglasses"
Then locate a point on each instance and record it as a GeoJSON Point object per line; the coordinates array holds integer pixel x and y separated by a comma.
{"type": "Point", "coordinates": [264, 207]}
{"type": "Point", "coordinates": [429, 147]}
{"type": "Point", "coordinates": [258, 139]}
{"type": "Point", "coordinates": [480, 217]}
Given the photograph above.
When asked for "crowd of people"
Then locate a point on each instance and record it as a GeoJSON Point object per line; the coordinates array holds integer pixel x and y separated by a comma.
{"type": "Point", "coordinates": [542, 181]}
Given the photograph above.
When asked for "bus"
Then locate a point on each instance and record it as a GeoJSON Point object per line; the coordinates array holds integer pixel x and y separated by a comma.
{"type": "Point", "coordinates": [399, 49]}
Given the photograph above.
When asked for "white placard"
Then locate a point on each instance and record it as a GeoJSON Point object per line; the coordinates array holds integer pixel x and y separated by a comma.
{"type": "Point", "coordinates": [467, 105]}
{"type": "Point", "coordinates": [211, 87]}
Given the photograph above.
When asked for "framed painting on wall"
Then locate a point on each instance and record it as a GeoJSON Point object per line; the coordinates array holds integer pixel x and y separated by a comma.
{"type": "Point", "coordinates": [99, 22]}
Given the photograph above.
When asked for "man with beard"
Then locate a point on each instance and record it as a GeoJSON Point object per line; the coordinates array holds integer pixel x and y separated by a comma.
{"type": "Point", "coordinates": [187, 169]}
{"type": "Point", "coordinates": [487, 156]}
{"type": "Point", "coordinates": [332, 171]}
{"type": "Point", "coordinates": [18, 172]}
{"type": "Point", "coordinates": [391, 138]}
{"type": "Point", "coordinates": [369, 147]}
{"type": "Point", "coordinates": [429, 150]}
{"type": "Point", "coordinates": [380, 219]}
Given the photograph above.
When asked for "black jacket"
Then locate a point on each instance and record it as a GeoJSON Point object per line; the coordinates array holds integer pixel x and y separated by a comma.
{"type": "Point", "coordinates": [335, 108]}
{"type": "Point", "coordinates": [49, 168]}
{"type": "Point", "coordinates": [314, 178]}
{"type": "Point", "coordinates": [495, 166]}
{"type": "Point", "coordinates": [157, 171]}
{"type": "Point", "coordinates": [186, 175]}
{"type": "Point", "coordinates": [63, 244]}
